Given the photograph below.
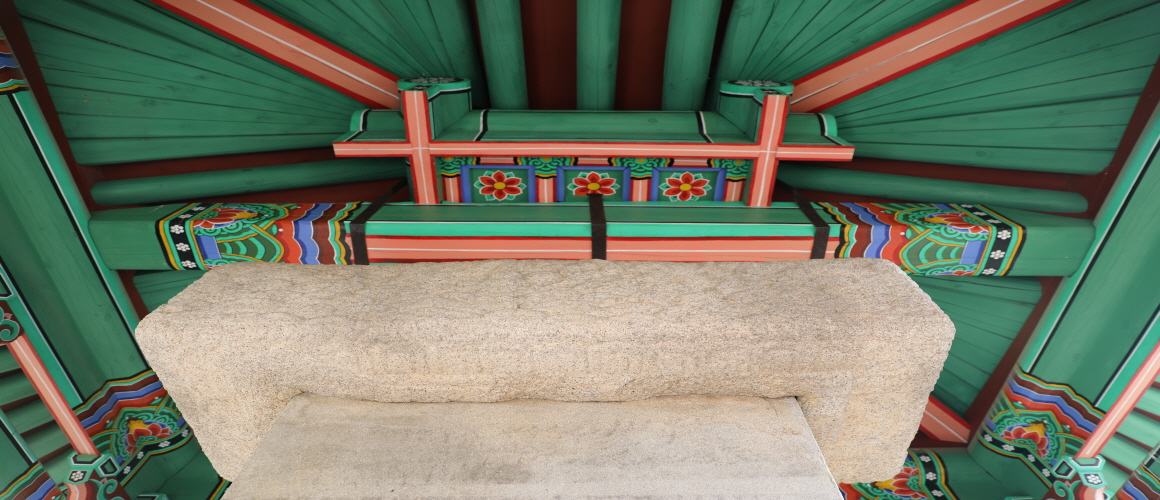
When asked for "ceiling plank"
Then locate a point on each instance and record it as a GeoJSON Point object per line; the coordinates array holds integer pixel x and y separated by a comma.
{"type": "Point", "coordinates": [929, 41]}
{"type": "Point", "coordinates": [292, 46]}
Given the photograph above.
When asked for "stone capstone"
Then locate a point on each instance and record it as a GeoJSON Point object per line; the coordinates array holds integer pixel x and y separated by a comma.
{"type": "Point", "coordinates": [854, 340]}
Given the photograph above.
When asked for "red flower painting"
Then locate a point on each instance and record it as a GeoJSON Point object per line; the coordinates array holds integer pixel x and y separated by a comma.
{"type": "Point", "coordinates": [593, 183]}
{"type": "Point", "coordinates": [139, 429]}
{"type": "Point", "coordinates": [499, 185]}
{"type": "Point", "coordinates": [1035, 434]}
{"type": "Point", "coordinates": [685, 187]}
{"type": "Point", "coordinates": [223, 217]}
{"type": "Point", "coordinates": [957, 221]}
{"type": "Point", "coordinates": [899, 485]}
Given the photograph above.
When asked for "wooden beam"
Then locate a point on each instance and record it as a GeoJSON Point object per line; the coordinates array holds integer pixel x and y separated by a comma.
{"type": "Point", "coordinates": [927, 42]}
{"type": "Point", "coordinates": [692, 32]}
{"type": "Point", "coordinates": [292, 46]}
{"type": "Point", "coordinates": [941, 423]}
{"type": "Point", "coordinates": [502, 39]}
{"type": "Point", "coordinates": [597, 43]}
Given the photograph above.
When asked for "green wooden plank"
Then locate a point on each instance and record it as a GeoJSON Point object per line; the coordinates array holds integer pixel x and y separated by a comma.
{"type": "Point", "coordinates": [1085, 26]}
{"type": "Point", "coordinates": [926, 189]}
{"type": "Point", "coordinates": [1007, 288]}
{"type": "Point", "coordinates": [15, 386]}
{"type": "Point", "coordinates": [967, 372]}
{"type": "Point", "coordinates": [407, 38]}
{"type": "Point", "coordinates": [1124, 452]}
{"type": "Point", "coordinates": [46, 440]}
{"type": "Point", "coordinates": [7, 362]}
{"type": "Point", "coordinates": [1060, 161]}
{"type": "Point", "coordinates": [1151, 401]}
{"type": "Point", "coordinates": [1096, 112]}
{"type": "Point", "coordinates": [1080, 53]}
{"type": "Point", "coordinates": [28, 416]}
{"type": "Point", "coordinates": [1141, 428]}
{"type": "Point", "coordinates": [597, 44]}
{"type": "Point", "coordinates": [955, 392]}
{"type": "Point", "coordinates": [167, 188]}
{"type": "Point", "coordinates": [105, 151]}
{"type": "Point", "coordinates": [688, 52]}
{"type": "Point", "coordinates": [204, 76]}
{"type": "Point", "coordinates": [503, 52]}
{"type": "Point", "coordinates": [157, 288]}
{"type": "Point", "coordinates": [786, 40]}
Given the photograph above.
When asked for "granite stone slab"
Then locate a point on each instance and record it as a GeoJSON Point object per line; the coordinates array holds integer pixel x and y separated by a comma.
{"type": "Point", "coordinates": [854, 340]}
{"type": "Point", "coordinates": [672, 447]}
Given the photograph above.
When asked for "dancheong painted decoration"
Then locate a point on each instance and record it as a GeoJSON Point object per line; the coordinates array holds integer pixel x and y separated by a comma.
{"type": "Point", "coordinates": [1000, 152]}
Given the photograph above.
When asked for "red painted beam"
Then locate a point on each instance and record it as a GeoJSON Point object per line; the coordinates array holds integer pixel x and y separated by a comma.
{"type": "Point", "coordinates": [941, 423]}
{"type": "Point", "coordinates": [936, 38]}
{"type": "Point", "coordinates": [293, 47]}
{"type": "Point", "coordinates": [421, 148]}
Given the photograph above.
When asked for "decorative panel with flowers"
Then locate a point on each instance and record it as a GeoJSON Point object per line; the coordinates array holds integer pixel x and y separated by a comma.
{"type": "Point", "coordinates": [688, 184]}
{"type": "Point", "coordinates": [576, 183]}
{"type": "Point", "coordinates": [498, 183]}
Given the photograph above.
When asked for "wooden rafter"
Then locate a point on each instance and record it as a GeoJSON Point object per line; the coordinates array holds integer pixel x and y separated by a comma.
{"type": "Point", "coordinates": [936, 38]}
{"type": "Point", "coordinates": [292, 46]}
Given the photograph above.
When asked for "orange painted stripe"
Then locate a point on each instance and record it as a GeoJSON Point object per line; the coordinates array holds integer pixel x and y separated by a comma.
{"type": "Point", "coordinates": [545, 190]}
{"type": "Point", "coordinates": [733, 190]}
{"type": "Point", "coordinates": [293, 47]}
{"type": "Point", "coordinates": [385, 248]}
{"type": "Point", "coordinates": [1143, 379]}
{"type": "Point", "coordinates": [451, 190]}
{"type": "Point", "coordinates": [416, 114]}
{"type": "Point", "coordinates": [711, 249]}
{"type": "Point", "coordinates": [941, 423]}
{"type": "Point", "coordinates": [936, 38]}
{"type": "Point", "coordinates": [815, 153]}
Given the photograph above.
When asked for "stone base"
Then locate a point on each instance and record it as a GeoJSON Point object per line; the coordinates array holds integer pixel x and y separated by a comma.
{"type": "Point", "coordinates": [665, 447]}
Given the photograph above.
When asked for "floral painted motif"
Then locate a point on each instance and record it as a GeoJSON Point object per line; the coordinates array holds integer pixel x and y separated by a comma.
{"type": "Point", "coordinates": [224, 216]}
{"type": "Point", "coordinates": [594, 182]}
{"type": "Point", "coordinates": [1038, 423]}
{"type": "Point", "coordinates": [498, 185]}
{"type": "Point", "coordinates": [923, 477]}
{"type": "Point", "coordinates": [958, 221]}
{"type": "Point", "coordinates": [905, 484]}
{"type": "Point", "coordinates": [141, 431]}
{"type": "Point", "coordinates": [686, 187]}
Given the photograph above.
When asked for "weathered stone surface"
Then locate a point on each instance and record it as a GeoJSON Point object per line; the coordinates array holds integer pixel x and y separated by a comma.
{"type": "Point", "coordinates": [855, 340]}
{"type": "Point", "coordinates": [665, 447]}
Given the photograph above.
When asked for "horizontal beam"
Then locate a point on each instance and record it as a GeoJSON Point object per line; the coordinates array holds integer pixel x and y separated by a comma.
{"type": "Point", "coordinates": [293, 47]}
{"type": "Point", "coordinates": [904, 187]}
{"type": "Point", "coordinates": [197, 236]}
{"type": "Point", "coordinates": [168, 188]}
{"type": "Point", "coordinates": [597, 149]}
{"type": "Point", "coordinates": [936, 38]}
